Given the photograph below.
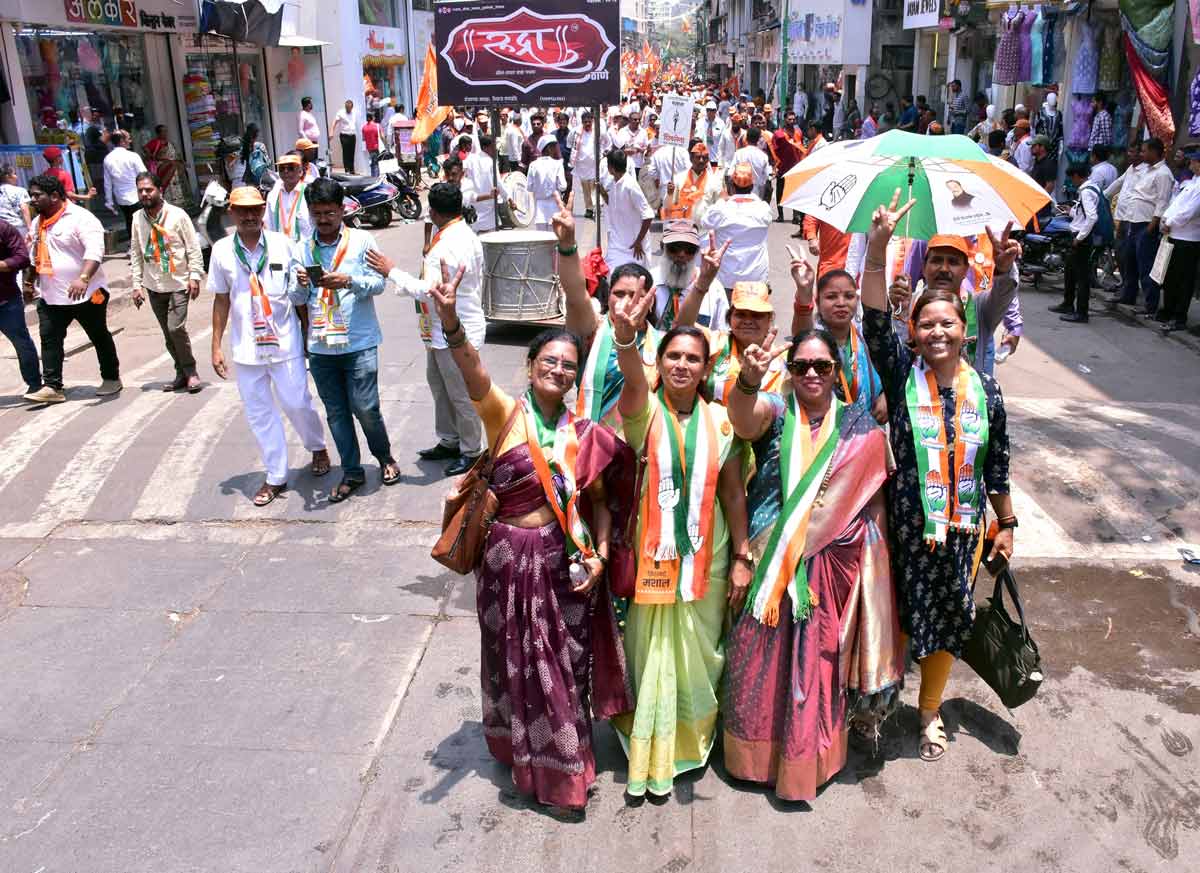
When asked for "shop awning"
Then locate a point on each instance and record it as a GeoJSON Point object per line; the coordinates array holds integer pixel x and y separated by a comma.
{"type": "Point", "coordinates": [263, 22]}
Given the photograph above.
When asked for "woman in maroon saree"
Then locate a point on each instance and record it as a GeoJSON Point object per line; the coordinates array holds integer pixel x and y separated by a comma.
{"type": "Point", "coordinates": [551, 658]}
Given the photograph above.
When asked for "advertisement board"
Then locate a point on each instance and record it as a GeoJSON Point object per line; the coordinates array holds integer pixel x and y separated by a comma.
{"type": "Point", "coordinates": [526, 53]}
{"type": "Point", "coordinates": [921, 13]}
{"type": "Point", "coordinates": [675, 121]}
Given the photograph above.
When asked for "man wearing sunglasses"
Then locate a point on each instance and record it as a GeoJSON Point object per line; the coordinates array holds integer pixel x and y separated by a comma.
{"type": "Point", "coordinates": [679, 266]}
{"type": "Point", "coordinates": [287, 211]}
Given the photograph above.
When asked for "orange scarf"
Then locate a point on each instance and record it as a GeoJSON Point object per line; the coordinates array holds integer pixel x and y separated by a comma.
{"type": "Point", "coordinates": [689, 195]}
{"type": "Point", "coordinates": [42, 255]}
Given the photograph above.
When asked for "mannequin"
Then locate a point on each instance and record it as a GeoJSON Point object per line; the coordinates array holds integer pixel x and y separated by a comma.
{"type": "Point", "coordinates": [1049, 122]}
{"type": "Point", "coordinates": [980, 132]}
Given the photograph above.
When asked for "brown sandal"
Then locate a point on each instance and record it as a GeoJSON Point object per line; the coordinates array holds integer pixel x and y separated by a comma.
{"type": "Point", "coordinates": [320, 462]}
{"type": "Point", "coordinates": [267, 493]}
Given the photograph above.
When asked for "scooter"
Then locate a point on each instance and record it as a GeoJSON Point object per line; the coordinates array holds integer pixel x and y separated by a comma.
{"type": "Point", "coordinates": [408, 203]}
{"type": "Point", "coordinates": [351, 209]}
{"type": "Point", "coordinates": [210, 223]}
{"type": "Point", "coordinates": [375, 194]}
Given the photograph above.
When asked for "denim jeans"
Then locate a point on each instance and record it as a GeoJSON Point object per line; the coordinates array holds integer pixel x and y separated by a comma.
{"type": "Point", "coordinates": [12, 325]}
{"type": "Point", "coordinates": [1136, 261]}
{"type": "Point", "coordinates": [349, 388]}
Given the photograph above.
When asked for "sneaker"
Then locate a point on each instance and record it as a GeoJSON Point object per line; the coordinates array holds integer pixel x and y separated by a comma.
{"type": "Point", "coordinates": [1061, 308]}
{"type": "Point", "coordinates": [46, 394]}
{"type": "Point", "coordinates": [109, 387]}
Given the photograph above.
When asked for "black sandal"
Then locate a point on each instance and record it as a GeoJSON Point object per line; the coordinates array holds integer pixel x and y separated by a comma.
{"type": "Point", "coordinates": [395, 477]}
{"type": "Point", "coordinates": [344, 489]}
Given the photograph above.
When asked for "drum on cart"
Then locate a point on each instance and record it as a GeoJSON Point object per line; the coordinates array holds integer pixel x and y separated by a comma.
{"type": "Point", "coordinates": [520, 282]}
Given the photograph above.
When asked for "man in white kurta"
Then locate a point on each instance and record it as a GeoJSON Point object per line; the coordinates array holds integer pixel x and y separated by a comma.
{"type": "Point", "coordinates": [479, 171]}
{"type": "Point", "coordinates": [546, 179]}
{"type": "Point", "coordinates": [454, 245]}
{"type": "Point", "coordinates": [742, 220]}
{"type": "Point", "coordinates": [287, 212]}
{"type": "Point", "coordinates": [664, 165]}
{"type": "Point", "coordinates": [751, 153]}
{"type": "Point", "coordinates": [629, 214]}
{"type": "Point", "coordinates": [583, 160]}
{"type": "Point", "coordinates": [251, 275]}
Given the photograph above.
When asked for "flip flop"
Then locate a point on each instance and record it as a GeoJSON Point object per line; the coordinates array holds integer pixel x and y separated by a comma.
{"type": "Point", "coordinates": [1189, 556]}
{"type": "Point", "coordinates": [344, 489]}
{"type": "Point", "coordinates": [395, 477]}
{"type": "Point", "coordinates": [267, 494]}
{"type": "Point", "coordinates": [933, 739]}
{"type": "Point", "coordinates": [320, 462]}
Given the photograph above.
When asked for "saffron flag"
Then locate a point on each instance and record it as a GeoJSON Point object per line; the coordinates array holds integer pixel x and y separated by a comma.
{"type": "Point", "coordinates": [427, 113]}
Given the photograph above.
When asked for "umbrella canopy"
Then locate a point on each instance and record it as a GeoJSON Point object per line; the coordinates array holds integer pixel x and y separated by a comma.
{"type": "Point", "coordinates": [959, 188]}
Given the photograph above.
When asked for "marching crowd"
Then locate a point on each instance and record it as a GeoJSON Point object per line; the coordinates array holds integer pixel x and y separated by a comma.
{"type": "Point", "coordinates": [721, 532]}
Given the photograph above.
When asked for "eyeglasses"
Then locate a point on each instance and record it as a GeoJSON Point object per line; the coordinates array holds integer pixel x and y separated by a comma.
{"type": "Point", "coordinates": [549, 363]}
{"type": "Point", "coordinates": [800, 366]}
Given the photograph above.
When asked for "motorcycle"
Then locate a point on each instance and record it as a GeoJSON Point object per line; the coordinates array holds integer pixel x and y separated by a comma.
{"type": "Point", "coordinates": [352, 211]}
{"type": "Point", "coordinates": [408, 203]}
{"type": "Point", "coordinates": [1046, 251]}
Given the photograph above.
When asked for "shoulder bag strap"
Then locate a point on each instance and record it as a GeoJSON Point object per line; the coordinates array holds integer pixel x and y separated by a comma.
{"type": "Point", "coordinates": [508, 425]}
{"type": "Point", "coordinates": [1005, 580]}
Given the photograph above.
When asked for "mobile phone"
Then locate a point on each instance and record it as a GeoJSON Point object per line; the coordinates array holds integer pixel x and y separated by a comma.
{"type": "Point", "coordinates": [315, 273]}
{"type": "Point", "coordinates": [995, 565]}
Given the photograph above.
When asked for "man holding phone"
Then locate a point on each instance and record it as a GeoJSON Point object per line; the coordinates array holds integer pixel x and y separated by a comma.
{"type": "Point", "coordinates": [339, 288]}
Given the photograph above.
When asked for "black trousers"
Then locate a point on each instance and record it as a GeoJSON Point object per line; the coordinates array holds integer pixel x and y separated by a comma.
{"type": "Point", "coordinates": [53, 322]}
{"type": "Point", "coordinates": [1180, 282]}
{"type": "Point", "coordinates": [348, 140]}
{"type": "Point", "coordinates": [127, 212]}
{"type": "Point", "coordinates": [1077, 279]}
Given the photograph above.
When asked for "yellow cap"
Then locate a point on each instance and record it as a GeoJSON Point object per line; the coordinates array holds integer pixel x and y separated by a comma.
{"type": "Point", "coordinates": [246, 196]}
{"type": "Point", "coordinates": [751, 297]}
{"type": "Point", "coordinates": [304, 144]}
{"type": "Point", "coordinates": [288, 159]}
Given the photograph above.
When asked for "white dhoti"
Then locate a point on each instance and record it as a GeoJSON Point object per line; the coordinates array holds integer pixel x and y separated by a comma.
{"type": "Point", "coordinates": [290, 380]}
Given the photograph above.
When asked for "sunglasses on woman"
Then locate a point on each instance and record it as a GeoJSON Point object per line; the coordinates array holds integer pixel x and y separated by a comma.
{"type": "Point", "coordinates": [800, 366]}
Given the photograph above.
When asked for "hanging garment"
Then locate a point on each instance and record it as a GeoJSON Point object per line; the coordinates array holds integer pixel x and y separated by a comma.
{"type": "Point", "coordinates": [1110, 59]}
{"type": "Point", "coordinates": [1156, 107]}
{"type": "Point", "coordinates": [1037, 48]}
{"type": "Point", "coordinates": [1155, 60]}
{"type": "Point", "coordinates": [1194, 107]}
{"type": "Point", "coordinates": [1087, 60]}
{"type": "Point", "coordinates": [1025, 71]}
{"type": "Point", "coordinates": [1081, 123]}
{"type": "Point", "coordinates": [1052, 40]}
{"type": "Point", "coordinates": [1008, 52]}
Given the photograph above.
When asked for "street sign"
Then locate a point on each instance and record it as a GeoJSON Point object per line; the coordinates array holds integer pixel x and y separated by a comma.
{"type": "Point", "coordinates": [527, 52]}
{"type": "Point", "coordinates": [675, 121]}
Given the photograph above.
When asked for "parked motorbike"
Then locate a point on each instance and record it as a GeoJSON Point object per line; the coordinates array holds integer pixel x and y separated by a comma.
{"type": "Point", "coordinates": [210, 223]}
{"type": "Point", "coordinates": [1046, 251]}
{"type": "Point", "coordinates": [408, 203]}
{"type": "Point", "coordinates": [375, 194]}
{"type": "Point", "coordinates": [351, 209]}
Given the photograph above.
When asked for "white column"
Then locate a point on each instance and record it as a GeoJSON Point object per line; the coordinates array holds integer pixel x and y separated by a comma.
{"type": "Point", "coordinates": [16, 118]}
{"type": "Point", "coordinates": [343, 73]}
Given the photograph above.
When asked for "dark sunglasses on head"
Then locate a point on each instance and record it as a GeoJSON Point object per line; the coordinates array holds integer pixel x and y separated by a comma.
{"type": "Point", "coordinates": [800, 366]}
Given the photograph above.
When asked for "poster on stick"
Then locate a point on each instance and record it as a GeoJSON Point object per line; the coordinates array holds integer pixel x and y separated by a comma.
{"type": "Point", "coordinates": [527, 52]}
{"type": "Point", "coordinates": [675, 122]}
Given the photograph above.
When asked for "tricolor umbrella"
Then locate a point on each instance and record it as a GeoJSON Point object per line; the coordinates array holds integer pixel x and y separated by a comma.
{"type": "Point", "coordinates": [959, 188]}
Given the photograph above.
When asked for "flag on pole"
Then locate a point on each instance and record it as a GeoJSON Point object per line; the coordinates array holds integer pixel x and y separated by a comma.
{"type": "Point", "coordinates": [427, 113]}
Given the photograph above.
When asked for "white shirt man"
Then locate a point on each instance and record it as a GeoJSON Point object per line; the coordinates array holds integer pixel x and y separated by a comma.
{"type": "Point", "coordinates": [454, 245]}
{"type": "Point", "coordinates": [583, 156]}
{"type": "Point", "coordinates": [546, 178]}
{"type": "Point", "coordinates": [627, 209]}
{"type": "Point", "coordinates": [346, 121]}
{"type": "Point", "coordinates": [665, 164]}
{"type": "Point", "coordinates": [759, 164]}
{"type": "Point", "coordinates": [743, 221]}
{"type": "Point", "coordinates": [712, 186]}
{"type": "Point", "coordinates": [477, 170]}
{"type": "Point", "coordinates": [726, 146]}
{"type": "Point", "coordinates": [638, 145]}
{"type": "Point", "coordinates": [1149, 191]}
{"type": "Point", "coordinates": [308, 127]}
{"type": "Point", "coordinates": [1103, 174]}
{"type": "Point", "coordinates": [1085, 212]}
{"type": "Point", "coordinates": [121, 167]}
{"type": "Point", "coordinates": [267, 349]}
{"type": "Point", "coordinates": [1182, 215]}
{"type": "Point", "coordinates": [514, 139]}
{"type": "Point", "coordinates": [392, 127]}
{"type": "Point", "coordinates": [710, 129]}
{"type": "Point", "coordinates": [287, 211]}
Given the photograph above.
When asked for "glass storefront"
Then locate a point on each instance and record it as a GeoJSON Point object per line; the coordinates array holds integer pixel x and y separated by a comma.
{"type": "Point", "coordinates": [380, 13]}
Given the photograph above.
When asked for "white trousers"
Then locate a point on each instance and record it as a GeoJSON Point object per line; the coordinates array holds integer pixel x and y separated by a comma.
{"type": "Point", "coordinates": [290, 381]}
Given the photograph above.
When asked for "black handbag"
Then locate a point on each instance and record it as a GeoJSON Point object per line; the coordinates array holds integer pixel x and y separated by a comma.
{"type": "Point", "coordinates": [1001, 650]}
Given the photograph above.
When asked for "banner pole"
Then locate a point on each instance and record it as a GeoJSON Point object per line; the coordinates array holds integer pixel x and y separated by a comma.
{"type": "Point", "coordinates": [495, 116]}
{"type": "Point", "coordinates": [596, 122]}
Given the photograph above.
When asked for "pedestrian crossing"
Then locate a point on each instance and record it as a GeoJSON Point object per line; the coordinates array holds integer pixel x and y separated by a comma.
{"type": "Point", "coordinates": [1091, 480]}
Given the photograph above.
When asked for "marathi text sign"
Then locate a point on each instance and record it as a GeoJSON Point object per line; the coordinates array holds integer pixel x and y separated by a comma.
{"type": "Point", "coordinates": [675, 122]}
{"type": "Point", "coordinates": [531, 53]}
{"type": "Point", "coordinates": [921, 13]}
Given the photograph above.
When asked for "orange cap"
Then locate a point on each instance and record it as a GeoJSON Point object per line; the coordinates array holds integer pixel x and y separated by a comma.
{"type": "Point", "coordinates": [304, 144]}
{"type": "Point", "coordinates": [742, 175]}
{"type": "Point", "coordinates": [751, 297]}
{"type": "Point", "coordinates": [949, 241]}
{"type": "Point", "coordinates": [700, 149]}
{"type": "Point", "coordinates": [246, 195]}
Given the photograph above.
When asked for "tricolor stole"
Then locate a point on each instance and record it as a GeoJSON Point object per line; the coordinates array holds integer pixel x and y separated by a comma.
{"type": "Point", "coordinates": [328, 324]}
{"type": "Point", "coordinates": [557, 473]}
{"type": "Point", "coordinates": [678, 504]}
{"type": "Point", "coordinates": [599, 368]}
{"type": "Point", "coordinates": [804, 466]}
{"type": "Point", "coordinates": [951, 475]}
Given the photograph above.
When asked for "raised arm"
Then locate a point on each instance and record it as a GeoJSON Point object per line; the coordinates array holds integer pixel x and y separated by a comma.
{"type": "Point", "coordinates": [582, 319]}
{"type": "Point", "coordinates": [626, 314]}
{"type": "Point", "coordinates": [749, 412]}
{"type": "Point", "coordinates": [802, 304]}
{"type": "Point", "coordinates": [445, 296]}
{"type": "Point", "coordinates": [710, 265]}
{"type": "Point", "coordinates": [883, 225]}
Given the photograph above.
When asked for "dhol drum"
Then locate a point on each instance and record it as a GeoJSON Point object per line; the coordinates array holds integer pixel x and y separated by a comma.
{"type": "Point", "coordinates": [518, 191]}
{"type": "Point", "coordinates": [520, 281]}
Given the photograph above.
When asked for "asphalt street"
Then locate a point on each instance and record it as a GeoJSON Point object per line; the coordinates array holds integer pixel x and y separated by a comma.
{"type": "Point", "coordinates": [193, 685]}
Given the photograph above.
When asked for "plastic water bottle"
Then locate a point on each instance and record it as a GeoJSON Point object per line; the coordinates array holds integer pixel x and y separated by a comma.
{"type": "Point", "coordinates": [1003, 352]}
{"type": "Point", "coordinates": [579, 573]}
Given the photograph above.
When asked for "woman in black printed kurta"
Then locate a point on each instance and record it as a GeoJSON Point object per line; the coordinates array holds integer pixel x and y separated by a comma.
{"type": "Point", "coordinates": [935, 524]}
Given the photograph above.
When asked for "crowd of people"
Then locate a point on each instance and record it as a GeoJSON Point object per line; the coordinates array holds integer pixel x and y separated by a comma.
{"type": "Point", "coordinates": [722, 533]}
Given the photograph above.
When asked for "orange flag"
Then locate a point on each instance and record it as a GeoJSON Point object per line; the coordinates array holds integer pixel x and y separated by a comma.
{"type": "Point", "coordinates": [427, 113]}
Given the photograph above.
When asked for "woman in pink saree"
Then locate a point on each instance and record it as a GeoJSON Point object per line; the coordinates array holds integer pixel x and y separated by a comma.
{"type": "Point", "coordinates": [817, 643]}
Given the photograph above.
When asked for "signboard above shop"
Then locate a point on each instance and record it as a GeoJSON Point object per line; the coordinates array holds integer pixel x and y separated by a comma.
{"type": "Point", "coordinates": [167, 16]}
{"type": "Point", "coordinates": [829, 32]}
{"type": "Point", "coordinates": [383, 45]}
{"type": "Point", "coordinates": [527, 52]}
{"type": "Point", "coordinates": [922, 13]}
